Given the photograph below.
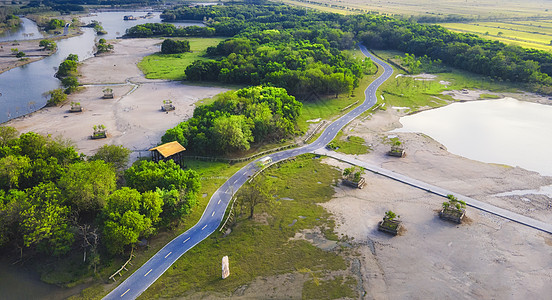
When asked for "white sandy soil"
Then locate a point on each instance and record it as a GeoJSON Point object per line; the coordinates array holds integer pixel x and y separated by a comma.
{"type": "Point", "coordinates": [486, 258]}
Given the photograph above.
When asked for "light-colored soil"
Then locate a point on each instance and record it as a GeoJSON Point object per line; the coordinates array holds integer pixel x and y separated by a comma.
{"type": "Point", "coordinates": [486, 258]}
{"type": "Point", "coordinates": [133, 118]}
{"type": "Point", "coordinates": [32, 51]}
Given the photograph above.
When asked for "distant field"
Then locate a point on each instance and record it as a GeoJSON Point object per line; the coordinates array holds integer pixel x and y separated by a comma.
{"type": "Point", "coordinates": [530, 34]}
{"type": "Point", "coordinates": [488, 9]}
{"type": "Point", "coordinates": [526, 23]}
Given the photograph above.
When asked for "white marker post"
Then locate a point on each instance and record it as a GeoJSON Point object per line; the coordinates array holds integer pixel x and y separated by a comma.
{"type": "Point", "coordinates": [225, 267]}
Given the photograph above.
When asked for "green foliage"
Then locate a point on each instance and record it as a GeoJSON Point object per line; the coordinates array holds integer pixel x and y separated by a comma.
{"type": "Point", "coordinates": [173, 66]}
{"type": "Point", "coordinates": [45, 221]}
{"type": "Point", "coordinates": [237, 118]}
{"type": "Point", "coordinates": [114, 155]}
{"type": "Point", "coordinates": [57, 97]}
{"type": "Point", "coordinates": [145, 175]}
{"type": "Point", "coordinates": [71, 83]}
{"type": "Point", "coordinates": [351, 145]}
{"type": "Point", "coordinates": [170, 46]}
{"type": "Point", "coordinates": [352, 173]}
{"type": "Point", "coordinates": [86, 185]}
{"type": "Point", "coordinates": [232, 133]}
{"type": "Point", "coordinates": [20, 54]}
{"type": "Point", "coordinates": [167, 29]}
{"type": "Point", "coordinates": [390, 216]}
{"type": "Point", "coordinates": [126, 218]}
{"type": "Point", "coordinates": [454, 202]}
{"type": "Point", "coordinates": [55, 24]}
{"type": "Point", "coordinates": [48, 44]}
{"type": "Point", "coordinates": [68, 67]}
{"type": "Point", "coordinates": [7, 136]}
{"type": "Point", "coordinates": [103, 46]}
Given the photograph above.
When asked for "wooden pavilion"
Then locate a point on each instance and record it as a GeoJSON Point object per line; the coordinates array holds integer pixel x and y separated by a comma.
{"type": "Point", "coordinates": [172, 150]}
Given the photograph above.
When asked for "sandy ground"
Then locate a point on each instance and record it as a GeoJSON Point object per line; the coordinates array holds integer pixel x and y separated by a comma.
{"type": "Point", "coordinates": [133, 118]}
{"type": "Point", "coordinates": [33, 52]}
{"type": "Point", "coordinates": [487, 258]}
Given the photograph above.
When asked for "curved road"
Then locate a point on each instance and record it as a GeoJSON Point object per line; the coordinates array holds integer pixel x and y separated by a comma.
{"type": "Point", "coordinates": [146, 275]}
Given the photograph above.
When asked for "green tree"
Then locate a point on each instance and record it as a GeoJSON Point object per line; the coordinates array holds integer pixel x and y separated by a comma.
{"type": "Point", "coordinates": [251, 195]}
{"type": "Point", "coordinates": [170, 46]}
{"type": "Point", "coordinates": [126, 218]}
{"type": "Point", "coordinates": [87, 185]}
{"type": "Point", "coordinates": [57, 96]}
{"type": "Point", "coordinates": [232, 133]}
{"type": "Point", "coordinates": [48, 44]}
{"type": "Point", "coordinates": [7, 135]}
{"type": "Point", "coordinates": [148, 176]}
{"type": "Point", "coordinates": [70, 83]}
{"type": "Point", "coordinates": [12, 170]}
{"type": "Point", "coordinates": [115, 155]}
{"type": "Point", "coordinates": [45, 221]}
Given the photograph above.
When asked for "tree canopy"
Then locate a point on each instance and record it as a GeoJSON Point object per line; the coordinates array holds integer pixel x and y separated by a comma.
{"type": "Point", "coordinates": [236, 119]}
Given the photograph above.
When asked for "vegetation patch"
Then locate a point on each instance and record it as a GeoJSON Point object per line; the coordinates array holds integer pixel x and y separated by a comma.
{"type": "Point", "coordinates": [172, 66]}
{"type": "Point", "coordinates": [257, 249]}
{"type": "Point", "coordinates": [349, 145]}
{"type": "Point", "coordinates": [337, 288]}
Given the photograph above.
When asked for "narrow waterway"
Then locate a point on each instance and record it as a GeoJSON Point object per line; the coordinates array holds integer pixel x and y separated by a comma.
{"type": "Point", "coordinates": [505, 131]}
{"type": "Point", "coordinates": [26, 31]}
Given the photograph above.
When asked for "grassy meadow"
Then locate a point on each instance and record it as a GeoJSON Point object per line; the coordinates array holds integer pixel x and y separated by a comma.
{"type": "Point", "coordinates": [172, 66]}
{"type": "Point", "coordinates": [263, 246]}
{"type": "Point", "coordinates": [529, 34]}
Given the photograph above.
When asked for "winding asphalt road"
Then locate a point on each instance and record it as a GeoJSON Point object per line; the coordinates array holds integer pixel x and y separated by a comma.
{"type": "Point", "coordinates": [146, 275]}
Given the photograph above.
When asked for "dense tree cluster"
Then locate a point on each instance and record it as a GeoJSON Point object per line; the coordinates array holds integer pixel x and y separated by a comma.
{"type": "Point", "coordinates": [170, 46]}
{"type": "Point", "coordinates": [55, 24]}
{"type": "Point", "coordinates": [236, 119]}
{"type": "Point", "coordinates": [168, 30]}
{"type": "Point", "coordinates": [464, 51]}
{"type": "Point", "coordinates": [49, 194]}
{"type": "Point", "coordinates": [283, 59]}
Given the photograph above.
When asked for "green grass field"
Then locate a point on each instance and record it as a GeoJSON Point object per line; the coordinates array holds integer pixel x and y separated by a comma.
{"type": "Point", "coordinates": [261, 247]}
{"type": "Point", "coordinates": [525, 35]}
{"type": "Point", "coordinates": [404, 91]}
{"type": "Point", "coordinates": [172, 66]}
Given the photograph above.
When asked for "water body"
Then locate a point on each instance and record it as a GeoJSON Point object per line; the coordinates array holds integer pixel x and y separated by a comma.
{"type": "Point", "coordinates": [505, 131]}
{"type": "Point", "coordinates": [22, 89]}
{"type": "Point", "coordinates": [18, 283]}
{"type": "Point", "coordinates": [26, 31]}
{"type": "Point", "coordinates": [115, 26]}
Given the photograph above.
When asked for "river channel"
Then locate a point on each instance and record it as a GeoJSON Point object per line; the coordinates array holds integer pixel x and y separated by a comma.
{"type": "Point", "coordinates": [505, 131]}
{"type": "Point", "coordinates": [22, 90]}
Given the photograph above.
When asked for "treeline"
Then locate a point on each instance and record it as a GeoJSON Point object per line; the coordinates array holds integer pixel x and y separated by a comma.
{"type": "Point", "coordinates": [464, 51]}
{"type": "Point", "coordinates": [168, 30]}
{"type": "Point", "coordinates": [303, 55]}
{"type": "Point", "coordinates": [237, 119]}
{"type": "Point", "coordinates": [53, 200]}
